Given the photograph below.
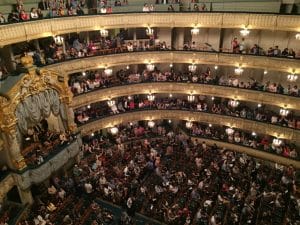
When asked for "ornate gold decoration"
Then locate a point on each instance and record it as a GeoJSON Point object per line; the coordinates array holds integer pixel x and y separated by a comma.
{"type": "Point", "coordinates": [27, 61]}
{"type": "Point", "coordinates": [30, 83]}
{"type": "Point", "coordinates": [20, 32]}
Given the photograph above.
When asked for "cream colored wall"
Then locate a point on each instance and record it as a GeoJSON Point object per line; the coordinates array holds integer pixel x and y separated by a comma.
{"type": "Point", "coordinates": [165, 34]}
{"type": "Point", "coordinates": [208, 35]}
{"type": "Point", "coordinates": [264, 38]}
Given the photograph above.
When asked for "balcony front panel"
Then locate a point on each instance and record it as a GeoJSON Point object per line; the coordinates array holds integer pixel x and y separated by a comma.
{"type": "Point", "coordinates": [265, 98]}
{"type": "Point", "coordinates": [118, 59]}
{"type": "Point", "coordinates": [13, 33]}
{"type": "Point", "coordinates": [235, 122]}
{"type": "Point", "coordinates": [44, 171]}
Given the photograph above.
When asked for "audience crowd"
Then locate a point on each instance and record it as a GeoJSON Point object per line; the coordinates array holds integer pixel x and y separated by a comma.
{"type": "Point", "coordinates": [41, 142]}
{"type": "Point", "coordinates": [164, 174]}
{"type": "Point", "coordinates": [101, 109]}
{"type": "Point", "coordinates": [88, 81]}
{"type": "Point", "coordinates": [202, 103]}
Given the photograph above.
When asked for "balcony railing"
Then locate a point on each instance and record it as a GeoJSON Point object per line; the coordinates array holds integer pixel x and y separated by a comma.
{"type": "Point", "coordinates": [37, 174]}
{"type": "Point", "coordinates": [106, 122]}
{"type": "Point", "coordinates": [119, 90]}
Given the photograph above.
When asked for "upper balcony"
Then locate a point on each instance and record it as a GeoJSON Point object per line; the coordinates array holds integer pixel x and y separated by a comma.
{"type": "Point", "coordinates": [26, 31]}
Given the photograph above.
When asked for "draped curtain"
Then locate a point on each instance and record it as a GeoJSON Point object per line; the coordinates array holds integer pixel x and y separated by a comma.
{"type": "Point", "coordinates": [37, 107]}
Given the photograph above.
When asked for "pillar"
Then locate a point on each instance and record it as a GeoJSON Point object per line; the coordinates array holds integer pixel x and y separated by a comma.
{"type": "Point", "coordinates": [8, 58]}
{"type": "Point", "coordinates": [25, 196]}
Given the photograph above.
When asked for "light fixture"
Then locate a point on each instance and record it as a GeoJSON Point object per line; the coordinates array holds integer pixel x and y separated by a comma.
{"type": "Point", "coordinates": [297, 36]}
{"type": "Point", "coordinates": [233, 103]}
{"type": "Point", "coordinates": [191, 98]}
{"type": "Point", "coordinates": [284, 112]}
{"type": "Point", "coordinates": [170, 95]}
{"type": "Point", "coordinates": [192, 68]}
{"type": "Point", "coordinates": [189, 124]}
{"type": "Point", "coordinates": [171, 65]}
{"type": "Point", "coordinates": [210, 125]}
{"type": "Point", "coordinates": [245, 32]}
{"type": "Point", "coordinates": [108, 72]}
{"type": "Point", "coordinates": [149, 31]}
{"type": "Point", "coordinates": [83, 73]}
{"type": "Point", "coordinates": [212, 98]}
{"type": "Point", "coordinates": [229, 131]}
{"type": "Point", "coordinates": [253, 133]}
{"type": "Point", "coordinates": [239, 70]}
{"type": "Point", "coordinates": [127, 67]}
{"type": "Point", "coordinates": [169, 121]}
{"type": "Point", "coordinates": [216, 67]}
{"type": "Point", "coordinates": [103, 33]}
{"type": "Point", "coordinates": [89, 106]}
{"type": "Point", "coordinates": [265, 72]}
{"type": "Point", "coordinates": [151, 123]}
{"type": "Point", "coordinates": [111, 103]}
{"type": "Point", "coordinates": [151, 97]}
{"type": "Point", "coordinates": [292, 77]}
{"type": "Point", "coordinates": [114, 130]}
{"type": "Point", "coordinates": [259, 105]}
{"type": "Point", "coordinates": [92, 134]}
{"type": "Point", "coordinates": [195, 31]}
{"type": "Point", "coordinates": [150, 67]}
{"type": "Point", "coordinates": [277, 142]}
{"type": "Point", "coordinates": [129, 97]}
{"type": "Point", "coordinates": [58, 40]}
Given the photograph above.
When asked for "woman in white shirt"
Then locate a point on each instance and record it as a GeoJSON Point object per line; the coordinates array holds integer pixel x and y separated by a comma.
{"type": "Point", "coordinates": [33, 14]}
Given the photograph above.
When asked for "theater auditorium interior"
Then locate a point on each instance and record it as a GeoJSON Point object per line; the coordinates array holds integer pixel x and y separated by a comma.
{"type": "Point", "coordinates": [154, 112]}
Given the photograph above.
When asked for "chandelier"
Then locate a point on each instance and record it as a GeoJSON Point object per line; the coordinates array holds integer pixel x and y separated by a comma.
{"type": "Point", "coordinates": [150, 67]}
{"type": "Point", "coordinates": [104, 33]}
{"type": "Point", "coordinates": [192, 68]}
{"type": "Point", "coordinates": [195, 31]}
{"type": "Point", "coordinates": [283, 112]}
{"type": "Point", "coordinates": [229, 131]}
{"type": "Point", "coordinates": [244, 32]}
{"type": "Point", "coordinates": [297, 36]}
{"type": "Point", "coordinates": [277, 142]}
{"type": "Point", "coordinates": [151, 97]}
{"type": "Point", "coordinates": [108, 72]}
{"type": "Point", "coordinates": [149, 31]}
{"type": "Point", "coordinates": [58, 40]}
{"type": "Point", "coordinates": [292, 77]}
{"type": "Point", "coordinates": [239, 70]}
{"type": "Point", "coordinates": [191, 98]}
{"type": "Point", "coordinates": [114, 130]}
{"type": "Point", "coordinates": [233, 103]}
{"type": "Point", "coordinates": [189, 124]}
{"type": "Point", "coordinates": [151, 123]}
{"type": "Point", "coordinates": [111, 103]}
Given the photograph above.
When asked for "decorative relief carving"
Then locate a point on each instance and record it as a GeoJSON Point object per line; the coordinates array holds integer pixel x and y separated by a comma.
{"type": "Point", "coordinates": [19, 32]}
{"type": "Point", "coordinates": [239, 123]}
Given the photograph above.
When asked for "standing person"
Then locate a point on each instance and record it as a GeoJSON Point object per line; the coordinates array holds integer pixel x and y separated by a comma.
{"type": "Point", "coordinates": [242, 46]}
{"type": "Point", "coordinates": [235, 45]}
